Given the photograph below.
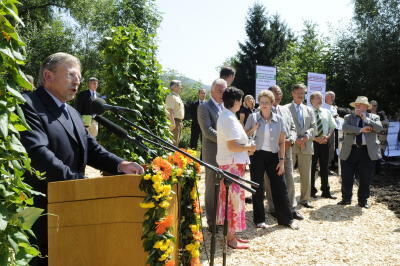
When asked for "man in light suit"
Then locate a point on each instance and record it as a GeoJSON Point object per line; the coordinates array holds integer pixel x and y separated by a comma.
{"type": "Point", "coordinates": [207, 115]}
{"type": "Point", "coordinates": [304, 121]}
{"type": "Point", "coordinates": [360, 150]}
{"type": "Point", "coordinates": [291, 136]}
{"type": "Point", "coordinates": [58, 143]}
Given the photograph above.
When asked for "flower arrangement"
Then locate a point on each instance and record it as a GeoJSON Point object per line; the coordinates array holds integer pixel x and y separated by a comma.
{"type": "Point", "coordinates": [157, 182]}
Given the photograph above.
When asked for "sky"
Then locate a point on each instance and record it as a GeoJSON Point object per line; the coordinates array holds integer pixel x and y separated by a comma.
{"type": "Point", "coordinates": [196, 37]}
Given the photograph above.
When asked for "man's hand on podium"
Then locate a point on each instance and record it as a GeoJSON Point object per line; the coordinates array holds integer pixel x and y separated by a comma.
{"type": "Point", "coordinates": [130, 168]}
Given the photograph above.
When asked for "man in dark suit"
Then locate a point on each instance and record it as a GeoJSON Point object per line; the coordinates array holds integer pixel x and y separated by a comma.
{"type": "Point", "coordinates": [195, 131]}
{"type": "Point", "coordinates": [83, 104]}
{"type": "Point", "coordinates": [360, 150]}
{"type": "Point", "coordinates": [207, 115]}
{"type": "Point", "coordinates": [58, 143]}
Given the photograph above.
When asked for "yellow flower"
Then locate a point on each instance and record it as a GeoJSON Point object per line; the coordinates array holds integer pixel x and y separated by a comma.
{"type": "Point", "coordinates": [147, 177]}
{"type": "Point", "coordinates": [147, 205]}
{"type": "Point", "coordinates": [194, 228]}
{"type": "Point", "coordinates": [158, 244]}
{"type": "Point", "coordinates": [158, 187]}
{"type": "Point", "coordinates": [179, 172]}
{"type": "Point", "coordinates": [169, 250]}
{"type": "Point", "coordinates": [157, 178]}
{"type": "Point", "coordinates": [195, 253]}
{"type": "Point", "coordinates": [164, 204]}
{"type": "Point", "coordinates": [167, 190]}
{"type": "Point", "coordinates": [193, 194]}
{"type": "Point", "coordinates": [163, 257]}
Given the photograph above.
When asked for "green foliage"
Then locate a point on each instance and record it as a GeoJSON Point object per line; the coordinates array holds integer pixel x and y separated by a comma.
{"type": "Point", "coordinates": [131, 77]}
{"type": "Point", "coordinates": [365, 59]}
{"type": "Point", "coordinates": [16, 217]}
{"type": "Point", "coordinates": [309, 54]}
{"type": "Point", "coordinates": [267, 38]}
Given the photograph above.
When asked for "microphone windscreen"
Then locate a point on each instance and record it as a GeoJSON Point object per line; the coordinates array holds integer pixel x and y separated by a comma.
{"type": "Point", "coordinates": [114, 128]}
{"type": "Point", "coordinates": [97, 106]}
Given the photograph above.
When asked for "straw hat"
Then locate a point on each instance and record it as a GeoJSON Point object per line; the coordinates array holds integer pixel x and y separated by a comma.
{"type": "Point", "coordinates": [361, 100]}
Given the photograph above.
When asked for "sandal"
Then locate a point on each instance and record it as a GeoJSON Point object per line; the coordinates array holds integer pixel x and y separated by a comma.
{"type": "Point", "coordinates": [241, 240]}
{"type": "Point", "coordinates": [234, 244]}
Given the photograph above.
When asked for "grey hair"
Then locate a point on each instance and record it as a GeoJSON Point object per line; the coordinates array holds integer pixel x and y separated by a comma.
{"type": "Point", "coordinates": [315, 93]}
{"type": "Point", "coordinates": [51, 62]}
{"type": "Point", "coordinates": [218, 83]}
{"type": "Point", "coordinates": [174, 83]}
{"type": "Point", "coordinates": [330, 93]}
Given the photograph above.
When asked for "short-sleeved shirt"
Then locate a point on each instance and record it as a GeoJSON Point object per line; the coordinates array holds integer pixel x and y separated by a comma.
{"type": "Point", "coordinates": [175, 103]}
{"type": "Point", "coordinates": [229, 128]}
{"type": "Point", "coordinates": [274, 125]}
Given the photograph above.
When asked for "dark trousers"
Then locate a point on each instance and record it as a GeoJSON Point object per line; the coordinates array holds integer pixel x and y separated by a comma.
{"type": "Point", "coordinates": [358, 162]}
{"type": "Point", "coordinates": [266, 162]}
{"type": "Point", "coordinates": [195, 134]}
{"type": "Point", "coordinates": [321, 154]}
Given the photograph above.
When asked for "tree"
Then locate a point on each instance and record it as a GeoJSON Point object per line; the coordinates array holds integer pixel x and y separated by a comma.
{"type": "Point", "coordinates": [309, 54]}
{"type": "Point", "coordinates": [366, 60]}
{"type": "Point", "coordinates": [267, 38]}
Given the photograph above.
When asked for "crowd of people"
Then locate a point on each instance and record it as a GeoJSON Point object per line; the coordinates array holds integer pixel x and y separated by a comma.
{"type": "Point", "coordinates": [271, 140]}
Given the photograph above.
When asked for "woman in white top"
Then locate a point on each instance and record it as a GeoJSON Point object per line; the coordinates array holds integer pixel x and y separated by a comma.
{"type": "Point", "coordinates": [269, 157]}
{"type": "Point", "coordinates": [232, 156]}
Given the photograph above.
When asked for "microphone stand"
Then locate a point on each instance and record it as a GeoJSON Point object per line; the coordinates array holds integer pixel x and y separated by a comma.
{"type": "Point", "coordinates": [227, 177]}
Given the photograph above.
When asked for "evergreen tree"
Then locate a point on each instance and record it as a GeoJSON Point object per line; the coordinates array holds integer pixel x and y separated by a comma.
{"type": "Point", "coordinates": [267, 38]}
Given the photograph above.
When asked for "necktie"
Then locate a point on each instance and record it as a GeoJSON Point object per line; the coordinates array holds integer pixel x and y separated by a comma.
{"type": "Point", "coordinates": [359, 136]}
{"type": "Point", "coordinates": [274, 109]}
{"type": "Point", "coordinates": [300, 115]}
{"type": "Point", "coordinates": [93, 95]}
{"type": "Point", "coordinates": [67, 117]}
{"type": "Point", "coordinates": [320, 130]}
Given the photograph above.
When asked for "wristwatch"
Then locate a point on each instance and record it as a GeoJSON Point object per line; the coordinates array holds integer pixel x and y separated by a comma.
{"type": "Point", "coordinates": [281, 159]}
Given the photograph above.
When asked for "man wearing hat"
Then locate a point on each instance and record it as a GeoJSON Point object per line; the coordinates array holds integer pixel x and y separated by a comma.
{"type": "Point", "coordinates": [359, 151]}
{"type": "Point", "coordinates": [83, 105]}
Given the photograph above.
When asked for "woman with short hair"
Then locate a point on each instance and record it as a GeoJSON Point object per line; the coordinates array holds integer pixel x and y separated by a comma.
{"type": "Point", "coordinates": [232, 156]}
{"type": "Point", "coordinates": [269, 157]}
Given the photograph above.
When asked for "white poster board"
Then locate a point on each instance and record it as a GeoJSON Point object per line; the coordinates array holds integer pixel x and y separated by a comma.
{"type": "Point", "coordinates": [265, 78]}
{"type": "Point", "coordinates": [393, 144]}
{"type": "Point", "coordinates": [315, 82]}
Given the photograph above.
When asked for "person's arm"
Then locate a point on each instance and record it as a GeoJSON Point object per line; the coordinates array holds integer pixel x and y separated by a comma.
{"type": "Point", "coordinates": [234, 146]}
{"type": "Point", "coordinates": [375, 122]}
{"type": "Point", "coordinates": [311, 131]}
{"type": "Point", "coordinates": [251, 125]}
{"type": "Point", "coordinates": [169, 105]}
{"type": "Point", "coordinates": [204, 119]}
{"type": "Point", "coordinates": [280, 168]}
{"type": "Point", "coordinates": [348, 128]}
{"type": "Point", "coordinates": [241, 118]}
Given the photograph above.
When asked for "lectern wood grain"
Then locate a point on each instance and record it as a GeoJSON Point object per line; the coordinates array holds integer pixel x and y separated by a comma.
{"type": "Point", "coordinates": [98, 222]}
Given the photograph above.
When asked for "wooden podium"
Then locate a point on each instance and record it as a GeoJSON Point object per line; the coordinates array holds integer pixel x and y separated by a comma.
{"type": "Point", "coordinates": [98, 222]}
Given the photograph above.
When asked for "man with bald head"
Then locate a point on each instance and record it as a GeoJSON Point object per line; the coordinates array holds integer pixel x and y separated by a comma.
{"type": "Point", "coordinates": [207, 116]}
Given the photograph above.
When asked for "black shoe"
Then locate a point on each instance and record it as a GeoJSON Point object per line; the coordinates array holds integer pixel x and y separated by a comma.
{"type": "Point", "coordinates": [344, 202]}
{"type": "Point", "coordinates": [331, 173]}
{"type": "Point", "coordinates": [314, 196]}
{"type": "Point", "coordinates": [273, 214]}
{"type": "Point", "coordinates": [296, 215]}
{"type": "Point", "coordinates": [328, 196]}
{"type": "Point", "coordinates": [248, 200]}
{"type": "Point", "coordinates": [364, 205]}
{"type": "Point", "coordinates": [307, 205]}
{"type": "Point", "coordinates": [292, 226]}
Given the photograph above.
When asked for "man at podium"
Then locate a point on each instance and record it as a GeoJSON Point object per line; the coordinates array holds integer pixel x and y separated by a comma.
{"type": "Point", "coordinates": [58, 143]}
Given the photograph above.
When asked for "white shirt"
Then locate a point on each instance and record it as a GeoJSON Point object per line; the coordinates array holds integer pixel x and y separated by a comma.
{"type": "Point", "coordinates": [267, 138]}
{"type": "Point", "coordinates": [229, 128]}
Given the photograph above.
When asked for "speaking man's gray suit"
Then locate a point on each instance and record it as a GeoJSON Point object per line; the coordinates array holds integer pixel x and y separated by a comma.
{"type": "Point", "coordinates": [304, 155]}
{"type": "Point", "coordinates": [207, 116]}
{"type": "Point", "coordinates": [290, 132]}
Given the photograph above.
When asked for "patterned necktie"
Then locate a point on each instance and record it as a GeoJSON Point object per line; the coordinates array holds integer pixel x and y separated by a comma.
{"type": "Point", "coordinates": [359, 136]}
{"type": "Point", "coordinates": [320, 130]}
{"type": "Point", "coordinates": [274, 109]}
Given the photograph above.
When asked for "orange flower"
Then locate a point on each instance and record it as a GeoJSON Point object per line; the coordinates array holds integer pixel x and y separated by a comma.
{"type": "Point", "coordinates": [162, 225]}
{"type": "Point", "coordinates": [170, 263]}
{"type": "Point", "coordinates": [6, 35]}
{"type": "Point", "coordinates": [195, 262]}
{"type": "Point", "coordinates": [198, 236]}
{"type": "Point", "coordinates": [197, 166]}
{"type": "Point", "coordinates": [196, 207]}
{"type": "Point", "coordinates": [159, 164]}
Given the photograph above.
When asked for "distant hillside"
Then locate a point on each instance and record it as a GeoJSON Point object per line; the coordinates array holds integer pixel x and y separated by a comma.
{"type": "Point", "coordinates": [187, 82]}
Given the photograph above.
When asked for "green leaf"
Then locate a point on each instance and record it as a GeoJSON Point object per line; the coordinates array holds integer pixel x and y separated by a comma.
{"type": "Point", "coordinates": [4, 124]}
{"type": "Point", "coordinates": [29, 216]}
{"type": "Point", "coordinates": [3, 222]}
{"type": "Point", "coordinates": [12, 243]}
{"type": "Point", "coordinates": [16, 145]}
{"type": "Point", "coordinates": [19, 237]}
{"type": "Point", "coordinates": [12, 10]}
{"type": "Point", "coordinates": [16, 93]}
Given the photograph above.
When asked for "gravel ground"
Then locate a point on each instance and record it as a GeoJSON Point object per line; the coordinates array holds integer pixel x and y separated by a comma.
{"type": "Point", "coordinates": [329, 235]}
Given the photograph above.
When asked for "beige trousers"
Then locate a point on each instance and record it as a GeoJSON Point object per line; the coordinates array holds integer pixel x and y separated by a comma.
{"type": "Point", "coordinates": [304, 166]}
{"type": "Point", "coordinates": [177, 131]}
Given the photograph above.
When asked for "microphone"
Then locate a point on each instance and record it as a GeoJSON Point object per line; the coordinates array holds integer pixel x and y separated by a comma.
{"type": "Point", "coordinates": [99, 106]}
{"type": "Point", "coordinates": [120, 132]}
